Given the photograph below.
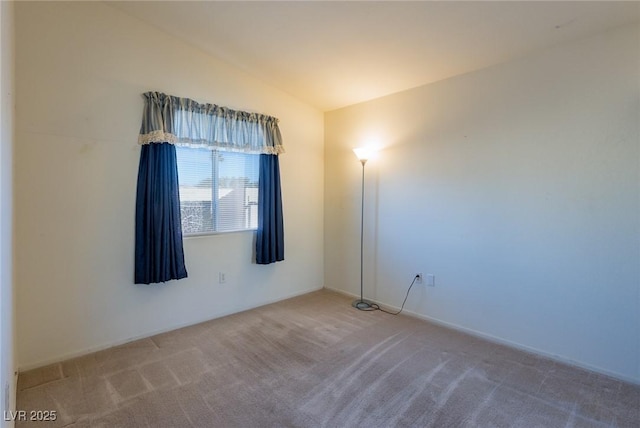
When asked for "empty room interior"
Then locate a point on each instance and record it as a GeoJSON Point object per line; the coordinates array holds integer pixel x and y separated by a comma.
{"type": "Point", "coordinates": [189, 237]}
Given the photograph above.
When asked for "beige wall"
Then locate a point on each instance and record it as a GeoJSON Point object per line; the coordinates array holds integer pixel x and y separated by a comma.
{"type": "Point", "coordinates": [7, 325]}
{"type": "Point", "coordinates": [517, 186]}
{"type": "Point", "coordinates": [80, 72]}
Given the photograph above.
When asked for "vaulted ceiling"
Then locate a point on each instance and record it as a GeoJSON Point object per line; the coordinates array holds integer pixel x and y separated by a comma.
{"type": "Point", "coordinates": [333, 54]}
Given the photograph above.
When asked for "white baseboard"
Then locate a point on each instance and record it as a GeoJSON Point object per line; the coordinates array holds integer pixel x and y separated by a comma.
{"type": "Point", "coordinates": [112, 344]}
{"type": "Point", "coordinates": [501, 341]}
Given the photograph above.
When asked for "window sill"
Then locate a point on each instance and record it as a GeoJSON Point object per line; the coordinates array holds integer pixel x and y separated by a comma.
{"type": "Point", "coordinates": [226, 232]}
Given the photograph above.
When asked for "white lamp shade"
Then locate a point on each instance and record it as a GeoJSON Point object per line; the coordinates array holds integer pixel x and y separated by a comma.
{"type": "Point", "coordinates": [363, 153]}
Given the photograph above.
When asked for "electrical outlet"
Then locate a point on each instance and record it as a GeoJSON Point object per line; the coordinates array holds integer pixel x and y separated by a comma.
{"type": "Point", "coordinates": [418, 278]}
{"type": "Point", "coordinates": [222, 277]}
{"type": "Point", "coordinates": [431, 280]}
{"type": "Point", "coordinates": [7, 399]}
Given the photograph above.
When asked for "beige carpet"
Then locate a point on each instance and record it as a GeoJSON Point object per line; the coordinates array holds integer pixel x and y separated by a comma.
{"type": "Point", "coordinates": [315, 361]}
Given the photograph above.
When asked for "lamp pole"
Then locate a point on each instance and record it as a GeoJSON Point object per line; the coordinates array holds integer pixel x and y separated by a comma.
{"type": "Point", "coordinates": [361, 304]}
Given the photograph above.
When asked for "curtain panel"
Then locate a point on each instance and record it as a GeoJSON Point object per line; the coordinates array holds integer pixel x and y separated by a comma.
{"type": "Point", "coordinates": [159, 254]}
{"type": "Point", "coordinates": [270, 236]}
{"type": "Point", "coordinates": [185, 122]}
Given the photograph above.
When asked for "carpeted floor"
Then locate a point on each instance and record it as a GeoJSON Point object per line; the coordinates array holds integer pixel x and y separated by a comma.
{"type": "Point", "coordinates": [315, 361]}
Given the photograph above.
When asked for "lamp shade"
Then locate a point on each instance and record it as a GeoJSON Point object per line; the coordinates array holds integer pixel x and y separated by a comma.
{"type": "Point", "coordinates": [363, 153]}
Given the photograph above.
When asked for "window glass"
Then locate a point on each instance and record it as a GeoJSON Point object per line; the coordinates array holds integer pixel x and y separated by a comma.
{"type": "Point", "coordinates": [218, 190]}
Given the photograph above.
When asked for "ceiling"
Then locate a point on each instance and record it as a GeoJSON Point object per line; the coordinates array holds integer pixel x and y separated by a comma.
{"type": "Point", "coordinates": [333, 54]}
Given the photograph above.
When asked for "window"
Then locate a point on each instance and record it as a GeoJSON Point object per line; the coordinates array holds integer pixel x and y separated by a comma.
{"type": "Point", "coordinates": [218, 190]}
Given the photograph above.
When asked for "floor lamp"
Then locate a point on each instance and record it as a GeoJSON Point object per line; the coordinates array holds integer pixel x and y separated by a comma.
{"type": "Point", "coordinates": [364, 305]}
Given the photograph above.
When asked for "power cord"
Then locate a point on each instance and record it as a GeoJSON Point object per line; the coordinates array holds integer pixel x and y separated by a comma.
{"type": "Point", "coordinates": [376, 307]}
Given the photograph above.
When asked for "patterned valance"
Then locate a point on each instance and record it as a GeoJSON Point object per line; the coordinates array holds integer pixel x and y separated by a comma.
{"type": "Point", "coordinates": [184, 122]}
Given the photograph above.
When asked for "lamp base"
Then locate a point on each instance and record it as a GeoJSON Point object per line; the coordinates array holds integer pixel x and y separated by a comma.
{"type": "Point", "coordinates": [363, 305]}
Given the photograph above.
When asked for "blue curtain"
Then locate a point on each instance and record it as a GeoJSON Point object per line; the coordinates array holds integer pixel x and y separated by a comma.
{"type": "Point", "coordinates": [159, 253]}
{"type": "Point", "coordinates": [270, 237]}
